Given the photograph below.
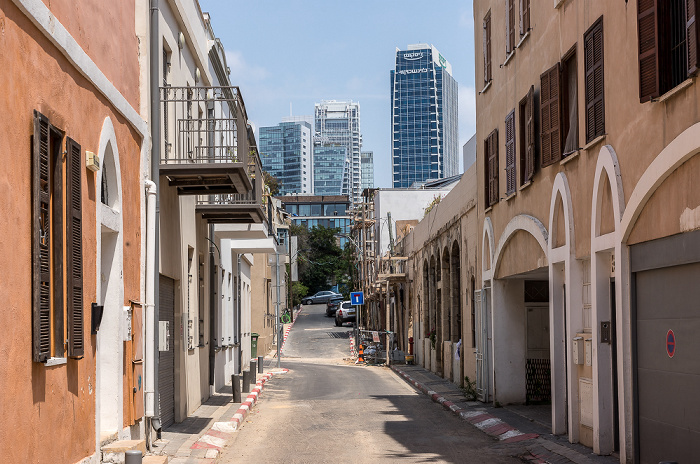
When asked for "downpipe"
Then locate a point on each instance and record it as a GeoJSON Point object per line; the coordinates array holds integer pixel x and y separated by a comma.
{"type": "Point", "coordinates": [150, 298]}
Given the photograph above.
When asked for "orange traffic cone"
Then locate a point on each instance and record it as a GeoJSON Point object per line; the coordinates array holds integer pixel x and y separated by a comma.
{"type": "Point", "coordinates": [360, 356]}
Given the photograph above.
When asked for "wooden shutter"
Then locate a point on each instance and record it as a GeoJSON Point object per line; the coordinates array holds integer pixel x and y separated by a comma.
{"type": "Point", "coordinates": [510, 26]}
{"type": "Point", "coordinates": [691, 36]}
{"type": "Point", "coordinates": [550, 115]}
{"type": "Point", "coordinates": [74, 249]}
{"type": "Point", "coordinates": [648, 33]}
{"type": "Point", "coordinates": [510, 153]}
{"type": "Point", "coordinates": [595, 103]}
{"type": "Point", "coordinates": [524, 17]}
{"type": "Point", "coordinates": [492, 168]}
{"type": "Point", "coordinates": [41, 240]}
{"type": "Point", "coordinates": [487, 48]}
{"type": "Point", "coordinates": [530, 135]}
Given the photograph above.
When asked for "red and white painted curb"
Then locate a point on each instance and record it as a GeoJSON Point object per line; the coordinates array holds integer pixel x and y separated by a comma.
{"type": "Point", "coordinates": [289, 327]}
{"type": "Point", "coordinates": [353, 351]}
{"type": "Point", "coordinates": [219, 433]}
{"type": "Point", "coordinates": [479, 418]}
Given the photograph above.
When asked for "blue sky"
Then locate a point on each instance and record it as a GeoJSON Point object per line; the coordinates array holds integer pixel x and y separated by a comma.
{"type": "Point", "coordinates": [302, 52]}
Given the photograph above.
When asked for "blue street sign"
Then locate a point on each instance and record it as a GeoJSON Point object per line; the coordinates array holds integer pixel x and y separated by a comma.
{"type": "Point", "coordinates": [357, 298]}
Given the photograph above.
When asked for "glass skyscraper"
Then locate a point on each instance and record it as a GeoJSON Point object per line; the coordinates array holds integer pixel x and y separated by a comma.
{"type": "Point", "coordinates": [367, 162]}
{"type": "Point", "coordinates": [337, 147]}
{"type": "Point", "coordinates": [286, 152]}
{"type": "Point", "coordinates": [425, 139]}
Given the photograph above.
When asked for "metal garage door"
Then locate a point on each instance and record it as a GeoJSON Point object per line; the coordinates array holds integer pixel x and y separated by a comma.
{"type": "Point", "coordinates": [667, 303]}
{"type": "Point", "coordinates": [166, 364]}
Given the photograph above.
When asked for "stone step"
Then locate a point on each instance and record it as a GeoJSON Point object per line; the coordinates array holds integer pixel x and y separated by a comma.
{"type": "Point", "coordinates": [155, 459]}
{"type": "Point", "coordinates": [113, 453]}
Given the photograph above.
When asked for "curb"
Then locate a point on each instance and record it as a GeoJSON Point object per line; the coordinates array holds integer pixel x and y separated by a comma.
{"type": "Point", "coordinates": [216, 437]}
{"type": "Point", "coordinates": [479, 418]}
{"type": "Point", "coordinates": [353, 351]}
{"type": "Point", "coordinates": [286, 331]}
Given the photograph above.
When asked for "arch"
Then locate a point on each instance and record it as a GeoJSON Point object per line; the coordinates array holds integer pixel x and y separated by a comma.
{"type": "Point", "coordinates": [607, 164]}
{"type": "Point", "coordinates": [487, 246]}
{"type": "Point", "coordinates": [680, 150]}
{"type": "Point", "coordinates": [456, 287]}
{"type": "Point", "coordinates": [561, 192]}
{"type": "Point", "coordinates": [529, 224]}
{"type": "Point", "coordinates": [109, 286]}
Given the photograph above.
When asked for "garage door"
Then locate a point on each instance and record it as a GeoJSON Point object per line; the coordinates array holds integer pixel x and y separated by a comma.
{"type": "Point", "coordinates": [667, 361]}
{"type": "Point", "coordinates": [166, 363]}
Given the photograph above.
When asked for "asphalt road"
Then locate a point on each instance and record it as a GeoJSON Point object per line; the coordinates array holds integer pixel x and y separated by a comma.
{"type": "Point", "coordinates": [327, 409]}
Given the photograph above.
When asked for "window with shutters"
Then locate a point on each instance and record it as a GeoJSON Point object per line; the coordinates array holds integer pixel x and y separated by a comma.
{"type": "Point", "coordinates": [524, 17]}
{"type": "Point", "coordinates": [569, 103]}
{"type": "Point", "coordinates": [56, 244]}
{"type": "Point", "coordinates": [487, 48]}
{"type": "Point", "coordinates": [510, 26]}
{"type": "Point", "coordinates": [595, 95]}
{"type": "Point", "coordinates": [491, 169]}
{"type": "Point", "coordinates": [527, 136]}
{"type": "Point", "coordinates": [510, 153]}
{"type": "Point", "coordinates": [550, 115]}
{"type": "Point", "coordinates": [668, 44]}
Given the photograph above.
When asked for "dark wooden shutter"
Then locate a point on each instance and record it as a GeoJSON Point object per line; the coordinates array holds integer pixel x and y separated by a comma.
{"type": "Point", "coordinates": [648, 33]}
{"type": "Point", "coordinates": [41, 240]}
{"type": "Point", "coordinates": [530, 135]}
{"type": "Point", "coordinates": [593, 59]}
{"type": "Point", "coordinates": [487, 48]}
{"type": "Point", "coordinates": [550, 115]}
{"type": "Point", "coordinates": [510, 153]}
{"type": "Point", "coordinates": [510, 26]}
{"type": "Point", "coordinates": [524, 16]}
{"type": "Point", "coordinates": [493, 168]}
{"type": "Point", "coordinates": [692, 35]}
{"type": "Point", "coordinates": [74, 249]}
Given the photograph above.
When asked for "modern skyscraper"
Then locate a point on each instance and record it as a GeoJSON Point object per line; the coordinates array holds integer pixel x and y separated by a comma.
{"type": "Point", "coordinates": [425, 139]}
{"type": "Point", "coordinates": [337, 147]}
{"type": "Point", "coordinates": [367, 171]}
{"type": "Point", "coordinates": [286, 152]}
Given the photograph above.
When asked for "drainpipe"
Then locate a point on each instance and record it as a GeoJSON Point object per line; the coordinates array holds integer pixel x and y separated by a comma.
{"type": "Point", "coordinates": [213, 278]}
{"type": "Point", "coordinates": [155, 179]}
{"type": "Point", "coordinates": [150, 300]}
{"type": "Point", "coordinates": [237, 317]}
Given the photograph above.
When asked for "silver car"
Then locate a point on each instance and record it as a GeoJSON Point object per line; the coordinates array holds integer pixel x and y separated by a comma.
{"type": "Point", "coordinates": [345, 313]}
{"type": "Point", "coordinates": [320, 297]}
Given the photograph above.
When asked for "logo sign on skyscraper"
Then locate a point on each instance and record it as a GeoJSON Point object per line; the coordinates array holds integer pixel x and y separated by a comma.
{"type": "Point", "coordinates": [413, 56]}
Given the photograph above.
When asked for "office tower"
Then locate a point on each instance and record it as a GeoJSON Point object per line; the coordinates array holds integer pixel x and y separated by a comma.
{"type": "Point", "coordinates": [425, 140]}
{"type": "Point", "coordinates": [337, 147]}
{"type": "Point", "coordinates": [367, 171]}
{"type": "Point", "coordinates": [286, 152]}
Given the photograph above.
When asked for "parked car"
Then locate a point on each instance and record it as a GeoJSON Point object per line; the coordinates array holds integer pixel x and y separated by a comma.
{"type": "Point", "coordinates": [333, 305]}
{"type": "Point", "coordinates": [320, 297]}
{"type": "Point", "coordinates": [345, 313]}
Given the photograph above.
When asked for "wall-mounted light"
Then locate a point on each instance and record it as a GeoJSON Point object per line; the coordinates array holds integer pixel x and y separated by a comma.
{"type": "Point", "coordinates": [96, 318]}
{"type": "Point", "coordinates": [181, 41]}
{"type": "Point", "coordinates": [197, 75]}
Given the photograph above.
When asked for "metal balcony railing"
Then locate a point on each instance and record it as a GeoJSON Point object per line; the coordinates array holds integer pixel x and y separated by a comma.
{"type": "Point", "coordinates": [204, 125]}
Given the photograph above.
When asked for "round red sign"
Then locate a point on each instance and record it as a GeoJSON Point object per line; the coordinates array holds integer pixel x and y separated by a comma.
{"type": "Point", "coordinates": [670, 343]}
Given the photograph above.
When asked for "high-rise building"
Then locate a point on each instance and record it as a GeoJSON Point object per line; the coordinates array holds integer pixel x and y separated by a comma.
{"type": "Point", "coordinates": [367, 171]}
{"type": "Point", "coordinates": [337, 147]}
{"type": "Point", "coordinates": [286, 152]}
{"type": "Point", "coordinates": [425, 139]}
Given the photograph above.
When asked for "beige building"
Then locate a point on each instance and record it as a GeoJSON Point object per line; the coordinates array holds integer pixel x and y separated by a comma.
{"type": "Point", "coordinates": [589, 210]}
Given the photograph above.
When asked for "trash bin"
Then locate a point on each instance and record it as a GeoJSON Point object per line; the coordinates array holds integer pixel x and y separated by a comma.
{"type": "Point", "coordinates": [254, 345]}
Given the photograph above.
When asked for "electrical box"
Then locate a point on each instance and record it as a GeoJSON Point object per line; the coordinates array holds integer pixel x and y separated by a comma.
{"type": "Point", "coordinates": [605, 332]}
{"type": "Point", "coordinates": [92, 161]}
{"type": "Point", "coordinates": [163, 335]}
{"type": "Point", "coordinates": [126, 327]}
{"type": "Point", "coordinates": [578, 350]}
{"type": "Point", "coordinates": [589, 351]}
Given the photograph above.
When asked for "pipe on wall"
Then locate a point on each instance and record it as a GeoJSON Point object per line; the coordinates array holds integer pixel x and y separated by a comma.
{"type": "Point", "coordinates": [151, 349]}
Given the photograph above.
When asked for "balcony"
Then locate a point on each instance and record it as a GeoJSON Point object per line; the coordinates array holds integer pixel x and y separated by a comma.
{"type": "Point", "coordinates": [207, 142]}
{"type": "Point", "coordinates": [236, 208]}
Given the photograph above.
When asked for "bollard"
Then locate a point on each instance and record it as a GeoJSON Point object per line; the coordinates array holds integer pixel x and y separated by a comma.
{"type": "Point", "coordinates": [246, 381]}
{"type": "Point", "coordinates": [236, 384]}
{"type": "Point", "coordinates": [133, 457]}
{"type": "Point", "coordinates": [253, 372]}
{"type": "Point", "coordinates": [260, 364]}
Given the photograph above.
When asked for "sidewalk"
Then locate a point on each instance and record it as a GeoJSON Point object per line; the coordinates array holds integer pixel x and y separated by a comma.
{"type": "Point", "coordinates": [199, 438]}
{"type": "Point", "coordinates": [504, 424]}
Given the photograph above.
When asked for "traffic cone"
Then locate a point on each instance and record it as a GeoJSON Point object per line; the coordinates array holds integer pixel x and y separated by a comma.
{"type": "Point", "coordinates": [360, 356]}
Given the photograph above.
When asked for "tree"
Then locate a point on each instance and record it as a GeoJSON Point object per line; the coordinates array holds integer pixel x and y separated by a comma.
{"type": "Point", "coordinates": [272, 183]}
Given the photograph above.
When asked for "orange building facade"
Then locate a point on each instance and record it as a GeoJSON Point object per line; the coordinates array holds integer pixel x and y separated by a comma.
{"type": "Point", "coordinates": [71, 235]}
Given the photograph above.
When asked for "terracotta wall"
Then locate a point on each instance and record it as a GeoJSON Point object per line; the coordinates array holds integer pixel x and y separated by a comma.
{"type": "Point", "coordinates": [48, 413]}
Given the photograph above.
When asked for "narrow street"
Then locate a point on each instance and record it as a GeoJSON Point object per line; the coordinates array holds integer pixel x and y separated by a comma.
{"type": "Point", "coordinates": [327, 409]}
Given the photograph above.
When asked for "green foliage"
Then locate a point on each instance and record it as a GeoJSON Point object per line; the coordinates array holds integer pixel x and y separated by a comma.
{"type": "Point", "coordinates": [299, 291]}
{"type": "Point", "coordinates": [469, 388]}
{"type": "Point", "coordinates": [432, 204]}
{"type": "Point", "coordinates": [321, 262]}
{"type": "Point", "coordinates": [272, 183]}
